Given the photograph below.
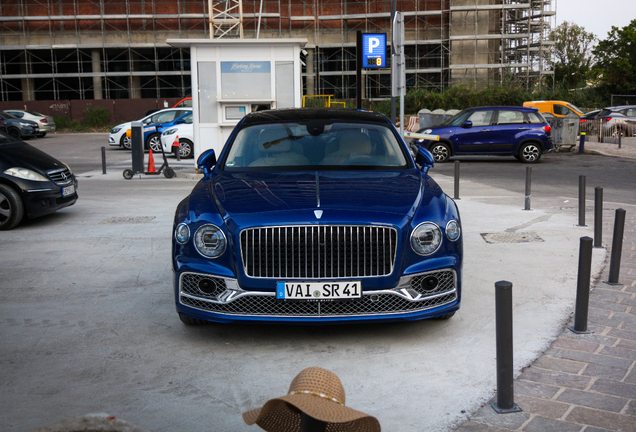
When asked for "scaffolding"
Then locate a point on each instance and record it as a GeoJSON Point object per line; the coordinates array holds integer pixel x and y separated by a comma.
{"type": "Point", "coordinates": [91, 49]}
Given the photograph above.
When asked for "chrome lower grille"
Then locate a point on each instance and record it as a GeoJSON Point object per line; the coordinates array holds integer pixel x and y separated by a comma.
{"type": "Point", "coordinates": [266, 304]}
{"type": "Point", "coordinates": [313, 252]}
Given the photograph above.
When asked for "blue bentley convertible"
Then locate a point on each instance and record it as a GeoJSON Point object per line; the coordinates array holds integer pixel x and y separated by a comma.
{"type": "Point", "coordinates": [316, 216]}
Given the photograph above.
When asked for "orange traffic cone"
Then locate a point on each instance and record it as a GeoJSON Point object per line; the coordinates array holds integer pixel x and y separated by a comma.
{"type": "Point", "coordinates": [176, 142]}
{"type": "Point", "coordinates": [151, 162]}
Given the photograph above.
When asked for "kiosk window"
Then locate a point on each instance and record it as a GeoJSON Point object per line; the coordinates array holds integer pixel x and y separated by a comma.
{"type": "Point", "coordinates": [234, 112]}
{"type": "Point", "coordinates": [208, 111]}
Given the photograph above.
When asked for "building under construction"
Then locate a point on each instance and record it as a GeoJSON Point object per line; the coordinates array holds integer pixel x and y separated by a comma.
{"type": "Point", "coordinates": [116, 49]}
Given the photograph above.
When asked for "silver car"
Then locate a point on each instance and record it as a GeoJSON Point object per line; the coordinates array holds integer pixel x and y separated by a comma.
{"type": "Point", "coordinates": [618, 120]}
{"type": "Point", "coordinates": [45, 122]}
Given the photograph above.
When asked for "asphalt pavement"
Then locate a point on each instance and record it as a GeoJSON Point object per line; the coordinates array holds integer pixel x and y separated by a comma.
{"type": "Point", "coordinates": [88, 325]}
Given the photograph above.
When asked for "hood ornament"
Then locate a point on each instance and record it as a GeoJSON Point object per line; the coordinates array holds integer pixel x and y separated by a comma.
{"type": "Point", "coordinates": [318, 213]}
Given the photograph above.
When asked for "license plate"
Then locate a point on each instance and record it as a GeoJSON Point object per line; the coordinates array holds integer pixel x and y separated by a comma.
{"type": "Point", "coordinates": [318, 290]}
{"type": "Point", "coordinates": [69, 190]}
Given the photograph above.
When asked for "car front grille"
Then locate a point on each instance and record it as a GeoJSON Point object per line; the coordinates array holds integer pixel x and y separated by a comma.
{"type": "Point", "coordinates": [266, 304]}
{"type": "Point", "coordinates": [314, 252]}
{"type": "Point", "coordinates": [60, 176]}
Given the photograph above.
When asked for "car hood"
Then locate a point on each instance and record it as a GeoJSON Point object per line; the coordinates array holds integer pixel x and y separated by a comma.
{"type": "Point", "coordinates": [23, 155]}
{"type": "Point", "coordinates": [264, 198]}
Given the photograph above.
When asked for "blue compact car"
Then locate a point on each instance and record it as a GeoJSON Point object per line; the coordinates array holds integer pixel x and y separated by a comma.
{"type": "Point", "coordinates": [316, 216]}
{"type": "Point", "coordinates": [505, 131]}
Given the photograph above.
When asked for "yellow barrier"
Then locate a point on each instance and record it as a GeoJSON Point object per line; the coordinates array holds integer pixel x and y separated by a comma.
{"type": "Point", "coordinates": [321, 101]}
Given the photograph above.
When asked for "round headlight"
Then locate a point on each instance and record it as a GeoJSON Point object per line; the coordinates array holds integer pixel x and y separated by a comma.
{"type": "Point", "coordinates": [210, 241]}
{"type": "Point", "coordinates": [426, 238]}
{"type": "Point", "coordinates": [452, 230]}
{"type": "Point", "coordinates": [182, 233]}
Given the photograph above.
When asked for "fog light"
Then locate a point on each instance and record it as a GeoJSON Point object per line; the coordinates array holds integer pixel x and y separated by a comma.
{"type": "Point", "coordinates": [430, 283]}
{"type": "Point", "coordinates": [207, 286]}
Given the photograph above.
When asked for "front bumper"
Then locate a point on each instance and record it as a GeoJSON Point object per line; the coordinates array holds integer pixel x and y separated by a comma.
{"type": "Point", "coordinates": [227, 302]}
{"type": "Point", "coordinates": [47, 199]}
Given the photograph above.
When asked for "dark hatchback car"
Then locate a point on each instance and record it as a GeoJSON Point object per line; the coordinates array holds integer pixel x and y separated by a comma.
{"type": "Point", "coordinates": [32, 183]}
{"type": "Point", "coordinates": [316, 216]}
{"type": "Point", "coordinates": [505, 131]}
{"type": "Point", "coordinates": [19, 128]}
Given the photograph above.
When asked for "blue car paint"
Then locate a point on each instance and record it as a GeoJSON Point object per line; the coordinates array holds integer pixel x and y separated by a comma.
{"type": "Point", "coordinates": [492, 139]}
{"type": "Point", "coordinates": [235, 201]}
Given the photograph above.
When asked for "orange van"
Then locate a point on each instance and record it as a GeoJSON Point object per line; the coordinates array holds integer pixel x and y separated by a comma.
{"type": "Point", "coordinates": [556, 108]}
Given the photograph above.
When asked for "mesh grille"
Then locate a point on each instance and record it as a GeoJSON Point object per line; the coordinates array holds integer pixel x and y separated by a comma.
{"type": "Point", "coordinates": [314, 252]}
{"type": "Point", "coordinates": [269, 305]}
{"type": "Point", "coordinates": [445, 279]}
{"type": "Point", "coordinates": [190, 285]}
{"type": "Point", "coordinates": [60, 176]}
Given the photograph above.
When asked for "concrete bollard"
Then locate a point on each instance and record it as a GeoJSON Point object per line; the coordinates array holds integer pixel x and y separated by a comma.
{"type": "Point", "coordinates": [583, 286]}
{"type": "Point", "coordinates": [617, 247]}
{"type": "Point", "coordinates": [528, 187]}
{"type": "Point", "coordinates": [505, 368]}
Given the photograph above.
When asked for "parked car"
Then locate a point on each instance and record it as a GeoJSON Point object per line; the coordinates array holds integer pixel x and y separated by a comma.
{"type": "Point", "coordinates": [45, 123]}
{"type": "Point", "coordinates": [19, 128]}
{"type": "Point", "coordinates": [588, 122]}
{"type": "Point", "coordinates": [32, 183]}
{"type": "Point", "coordinates": [118, 137]}
{"type": "Point", "coordinates": [504, 131]}
{"type": "Point", "coordinates": [316, 215]}
{"type": "Point", "coordinates": [618, 120]}
{"type": "Point", "coordinates": [185, 132]}
{"type": "Point", "coordinates": [184, 103]}
{"type": "Point", "coordinates": [556, 108]}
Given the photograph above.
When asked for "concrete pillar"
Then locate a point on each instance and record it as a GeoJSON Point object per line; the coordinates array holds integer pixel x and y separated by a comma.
{"type": "Point", "coordinates": [28, 84]}
{"type": "Point", "coordinates": [134, 82]}
{"type": "Point", "coordinates": [311, 72]}
{"type": "Point", "coordinates": [97, 80]}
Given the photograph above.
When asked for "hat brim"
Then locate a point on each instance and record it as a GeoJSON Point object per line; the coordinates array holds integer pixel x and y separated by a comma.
{"type": "Point", "coordinates": [279, 411]}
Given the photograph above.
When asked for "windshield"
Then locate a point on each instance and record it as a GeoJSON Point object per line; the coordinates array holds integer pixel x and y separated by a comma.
{"type": "Point", "coordinates": [575, 108]}
{"type": "Point", "coordinates": [315, 145]}
{"type": "Point", "coordinates": [7, 115]}
{"type": "Point", "coordinates": [457, 119]}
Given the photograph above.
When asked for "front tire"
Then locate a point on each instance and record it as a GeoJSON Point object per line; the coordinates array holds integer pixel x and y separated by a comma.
{"type": "Point", "coordinates": [530, 153]}
{"type": "Point", "coordinates": [191, 321]}
{"type": "Point", "coordinates": [15, 133]}
{"type": "Point", "coordinates": [11, 208]}
{"type": "Point", "coordinates": [154, 142]}
{"type": "Point", "coordinates": [441, 152]}
{"type": "Point", "coordinates": [125, 142]}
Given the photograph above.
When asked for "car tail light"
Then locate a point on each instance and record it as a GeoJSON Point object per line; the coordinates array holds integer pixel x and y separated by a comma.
{"type": "Point", "coordinates": [547, 128]}
{"type": "Point", "coordinates": [606, 118]}
{"type": "Point", "coordinates": [43, 121]}
{"type": "Point", "coordinates": [582, 120]}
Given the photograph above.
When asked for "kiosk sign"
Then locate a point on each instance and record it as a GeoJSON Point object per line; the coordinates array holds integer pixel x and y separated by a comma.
{"type": "Point", "coordinates": [374, 50]}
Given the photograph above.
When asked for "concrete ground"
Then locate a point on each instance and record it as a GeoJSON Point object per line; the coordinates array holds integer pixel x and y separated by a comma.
{"type": "Point", "coordinates": [88, 322]}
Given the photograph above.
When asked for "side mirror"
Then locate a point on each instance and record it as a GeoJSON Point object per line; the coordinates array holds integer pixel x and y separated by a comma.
{"type": "Point", "coordinates": [425, 159]}
{"type": "Point", "coordinates": [147, 121]}
{"type": "Point", "coordinates": [206, 161]}
{"type": "Point", "coordinates": [467, 124]}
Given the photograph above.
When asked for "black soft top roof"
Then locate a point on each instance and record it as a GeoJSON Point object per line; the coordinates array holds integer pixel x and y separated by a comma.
{"type": "Point", "coordinates": [306, 114]}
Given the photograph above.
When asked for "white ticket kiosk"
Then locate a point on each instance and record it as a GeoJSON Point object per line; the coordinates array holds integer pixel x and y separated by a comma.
{"type": "Point", "coordinates": [233, 77]}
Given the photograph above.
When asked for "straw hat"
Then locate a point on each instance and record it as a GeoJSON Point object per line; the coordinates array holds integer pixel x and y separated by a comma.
{"type": "Point", "coordinates": [318, 393]}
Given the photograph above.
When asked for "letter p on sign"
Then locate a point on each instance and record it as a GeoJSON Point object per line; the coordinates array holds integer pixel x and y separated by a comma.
{"type": "Point", "coordinates": [373, 43]}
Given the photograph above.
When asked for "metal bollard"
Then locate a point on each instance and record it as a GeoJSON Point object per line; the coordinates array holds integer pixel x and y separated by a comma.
{"type": "Point", "coordinates": [456, 193]}
{"type": "Point", "coordinates": [582, 143]}
{"type": "Point", "coordinates": [528, 187]}
{"type": "Point", "coordinates": [583, 286]}
{"type": "Point", "coordinates": [598, 217]}
{"type": "Point", "coordinates": [505, 368]}
{"type": "Point", "coordinates": [310, 424]}
{"type": "Point", "coordinates": [103, 160]}
{"type": "Point", "coordinates": [617, 247]}
{"type": "Point", "coordinates": [582, 201]}
{"type": "Point", "coordinates": [620, 136]}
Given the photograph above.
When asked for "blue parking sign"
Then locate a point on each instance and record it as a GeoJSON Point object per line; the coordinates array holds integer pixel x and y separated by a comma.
{"type": "Point", "coordinates": [374, 50]}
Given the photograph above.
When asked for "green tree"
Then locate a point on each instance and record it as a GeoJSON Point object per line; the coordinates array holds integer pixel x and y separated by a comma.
{"type": "Point", "coordinates": [616, 59]}
{"type": "Point", "coordinates": [571, 54]}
